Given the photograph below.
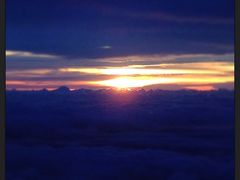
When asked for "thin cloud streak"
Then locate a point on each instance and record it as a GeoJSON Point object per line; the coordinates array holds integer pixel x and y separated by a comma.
{"type": "Point", "coordinates": [180, 58]}
{"type": "Point", "coordinates": [27, 54]}
{"type": "Point", "coordinates": [182, 19]}
{"type": "Point", "coordinates": [164, 16]}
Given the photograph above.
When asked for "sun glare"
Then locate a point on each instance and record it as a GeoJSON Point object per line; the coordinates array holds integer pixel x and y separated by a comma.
{"type": "Point", "coordinates": [136, 82]}
{"type": "Point", "coordinates": [122, 83]}
{"type": "Point", "coordinates": [132, 82]}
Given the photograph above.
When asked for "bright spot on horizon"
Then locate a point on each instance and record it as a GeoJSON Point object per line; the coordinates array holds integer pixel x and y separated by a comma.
{"type": "Point", "coordinates": [125, 82]}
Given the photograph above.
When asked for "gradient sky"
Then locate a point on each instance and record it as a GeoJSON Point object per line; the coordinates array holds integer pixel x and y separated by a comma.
{"type": "Point", "coordinates": [120, 43]}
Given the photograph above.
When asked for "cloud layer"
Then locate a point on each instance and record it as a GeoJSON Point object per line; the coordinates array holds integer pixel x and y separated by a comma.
{"type": "Point", "coordinates": [183, 70]}
{"type": "Point", "coordinates": [104, 134]}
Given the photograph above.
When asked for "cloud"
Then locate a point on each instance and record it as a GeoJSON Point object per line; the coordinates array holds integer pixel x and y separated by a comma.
{"type": "Point", "coordinates": [28, 54]}
{"type": "Point", "coordinates": [27, 70]}
{"type": "Point", "coordinates": [169, 58]}
{"type": "Point", "coordinates": [160, 16]}
{"type": "Point", "coordinates": [145, 70]}
{"type": "Point", "coordinates": [163, 15]}
{"type": "Point", "coordinates": [106, 47]}
{"type": "Point", "coordinates": [168, 135]}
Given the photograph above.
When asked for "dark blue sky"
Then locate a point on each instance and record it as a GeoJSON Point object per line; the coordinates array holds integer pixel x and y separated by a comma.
{"type": "Point", "coordinates": [75, 28]}
{"type": "Point", "coordinates": [120, 43]}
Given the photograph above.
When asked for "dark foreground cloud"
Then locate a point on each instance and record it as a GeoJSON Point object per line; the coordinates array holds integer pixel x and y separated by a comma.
{"type": "Point", "coordinates": [105, 134]}
{"type": "Point", "coordinates": [112, 163]}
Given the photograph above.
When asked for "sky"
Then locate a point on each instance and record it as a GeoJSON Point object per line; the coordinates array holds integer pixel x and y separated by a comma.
{"type": "Point", "coordinates": [120, 44]}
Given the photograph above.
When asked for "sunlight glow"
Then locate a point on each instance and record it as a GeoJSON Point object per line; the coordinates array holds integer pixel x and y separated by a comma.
{"type": "Point", "coordinates": [131, 82]}
{"type": "Point", "coordinates": [205, 75]}
{"type": "Point", "coordinates": [128, 82]}
{"type": "Point", "coordinates": [132, 71]}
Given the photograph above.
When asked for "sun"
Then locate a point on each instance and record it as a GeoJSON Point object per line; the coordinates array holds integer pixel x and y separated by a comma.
{"type": "Point", "coordinates": [122, 83]}
{"type": "Point", "coordinates": [126, 82]}
{"type": "Point", "coordinates": [130, 82]}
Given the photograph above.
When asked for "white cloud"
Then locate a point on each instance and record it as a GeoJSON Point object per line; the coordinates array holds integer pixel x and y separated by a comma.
{"type": "Point", "coordinates": [106, 47]}
{"type": "Point", "coordinates": [27, 54]}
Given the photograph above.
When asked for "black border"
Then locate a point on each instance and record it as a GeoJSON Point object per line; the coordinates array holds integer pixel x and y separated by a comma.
{"type": "Point", "coordinates": [237, 89]}
{"type": "Point", "coordinates": [3, 87]}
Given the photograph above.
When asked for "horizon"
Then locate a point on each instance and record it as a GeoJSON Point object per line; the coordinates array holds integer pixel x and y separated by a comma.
{"type": "Point", "coordinates": [178, 72]}
{"type": "Point", "coordinates": [119, 89]}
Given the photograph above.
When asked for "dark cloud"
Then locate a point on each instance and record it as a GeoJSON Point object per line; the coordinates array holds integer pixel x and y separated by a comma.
{"type": "Point", "coordinates": [105, 135]}
{"type": "Point", "coordinates": [79, 28]}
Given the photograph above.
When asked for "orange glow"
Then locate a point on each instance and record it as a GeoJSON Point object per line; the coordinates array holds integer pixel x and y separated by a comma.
{"type": "Point", "coordinates": [140, 71]}
{"type": "Point", "coordinates": [128, 82]}
{"type": "Point", "coordinates": [189, 75]}
{"type": "Point", "coordinates": [201, 88]}
{"type": "Point", "coordinates": [131, 82]}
